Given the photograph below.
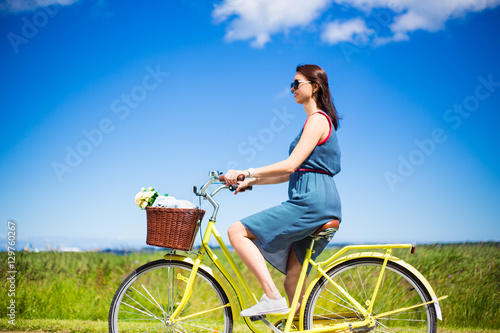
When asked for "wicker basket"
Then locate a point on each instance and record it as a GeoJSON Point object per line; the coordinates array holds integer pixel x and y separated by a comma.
{"type": "Point", "coordinates": [173, 228]}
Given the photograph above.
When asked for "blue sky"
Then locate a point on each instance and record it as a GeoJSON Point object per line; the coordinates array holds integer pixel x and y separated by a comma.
{"type": "Point", "coordinates": [100, 99]}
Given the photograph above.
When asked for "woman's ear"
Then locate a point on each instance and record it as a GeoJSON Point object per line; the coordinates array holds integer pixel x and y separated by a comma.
{"type": "Point", "coordinates": [315, 87]}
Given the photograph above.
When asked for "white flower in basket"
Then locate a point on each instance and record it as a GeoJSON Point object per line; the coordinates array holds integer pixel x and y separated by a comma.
{"type": "Point", "coordinates": [145, 198]}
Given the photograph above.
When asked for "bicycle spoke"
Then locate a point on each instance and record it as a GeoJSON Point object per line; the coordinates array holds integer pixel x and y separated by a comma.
{"type": "Point", "coordinates": [137, 291]}
{"type": "Point", "coordinates": [400, 293]}
{"type": "Point", "coordinates": [177, 297]}
{"type": "Point", "coordinates": [354, 283]}
{"type": "Point", "coordinates": [155, 302]}
{"type": "Point", "coordinates": [362, 283]}
{"type": "Point", "coordinates": [339, 296]}
{"type": "Point", "coordinates": [349, 305]}
{"type": "Point", "coordinates": [147, 311]}
{"type": "Point", "coordinates": [345, 307]}
{"type": "Point", "coordinates": [159, 294]}
{"type": "Point", "coordinates": [179, 329]}
{"type": "Point", "coordinates": [137, 314]}
{"type": "Point", "coordinates": [383, 302]}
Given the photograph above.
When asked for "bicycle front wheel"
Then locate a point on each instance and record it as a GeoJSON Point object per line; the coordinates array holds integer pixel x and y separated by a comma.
{"type": "Point", "coordinates": [399, 289]}
{"type": "Point", "coordinates": [147, 298]}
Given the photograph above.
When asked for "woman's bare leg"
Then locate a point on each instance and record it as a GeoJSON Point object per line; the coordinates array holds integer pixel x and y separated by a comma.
{"type": "Point", "coordinates": [241, 240]}
{"type": "Point", "coordinates": [292, 278]}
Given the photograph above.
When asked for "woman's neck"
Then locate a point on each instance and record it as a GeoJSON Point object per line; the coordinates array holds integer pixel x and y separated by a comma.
{"type": "Point", "coordinates": [310, 107]}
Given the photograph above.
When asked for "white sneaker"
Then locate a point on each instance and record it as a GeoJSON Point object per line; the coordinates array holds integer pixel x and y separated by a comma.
{"type": "Point", "coordinates": [267, 305]}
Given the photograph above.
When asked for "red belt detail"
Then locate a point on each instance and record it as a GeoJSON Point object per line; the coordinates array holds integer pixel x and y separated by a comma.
{"type": "Point", "coordinates": [315, 170]}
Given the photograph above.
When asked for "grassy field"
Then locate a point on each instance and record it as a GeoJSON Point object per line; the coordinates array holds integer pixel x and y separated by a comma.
{"type": "Point", "coordinates": [82, 326]}
{"type": "Point", "coordinates": [71, 292]}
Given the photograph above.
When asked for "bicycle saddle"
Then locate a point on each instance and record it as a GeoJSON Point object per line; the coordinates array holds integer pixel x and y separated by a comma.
{"type": "Point", "coordinates": [333, 224]}
{"type": "Point", "coordinates": [327, 230]}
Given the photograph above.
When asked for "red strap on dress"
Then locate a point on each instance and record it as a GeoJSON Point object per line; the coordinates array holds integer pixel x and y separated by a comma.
{"type": "Point", "coordinates": [329, 122]}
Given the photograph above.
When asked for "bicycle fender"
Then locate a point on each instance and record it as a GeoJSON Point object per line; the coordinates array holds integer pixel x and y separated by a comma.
{"type": "Point", "coordinates": [221, 280]}
{"type": "Point", "coordinates": [395, 260]}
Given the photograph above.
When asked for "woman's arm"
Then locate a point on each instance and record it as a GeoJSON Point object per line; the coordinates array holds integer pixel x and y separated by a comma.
{"type": "Point", "coordinates": [314, 130]}
{"type": "Point", "coordinates": [268, 180]}
{"type": "Point", "coordinates": [261, 181]}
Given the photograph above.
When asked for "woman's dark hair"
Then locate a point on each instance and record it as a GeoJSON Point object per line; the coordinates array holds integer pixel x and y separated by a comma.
{"type": "Point", "coordinates": [323, 97]}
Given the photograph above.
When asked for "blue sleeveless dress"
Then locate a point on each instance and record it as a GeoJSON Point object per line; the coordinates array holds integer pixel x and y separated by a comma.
{"type": "Point", "coordinates": [313, 201]}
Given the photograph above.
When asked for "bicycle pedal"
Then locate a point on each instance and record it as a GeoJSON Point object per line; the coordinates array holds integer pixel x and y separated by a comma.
{"type": "Point", "coordinates": [256, 318]}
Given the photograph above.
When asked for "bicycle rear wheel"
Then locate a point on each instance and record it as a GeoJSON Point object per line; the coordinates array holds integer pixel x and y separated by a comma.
{"type": "Point", "coordinates": [399, 289]}
{"type": "Point", "coordinates": [147, 298]}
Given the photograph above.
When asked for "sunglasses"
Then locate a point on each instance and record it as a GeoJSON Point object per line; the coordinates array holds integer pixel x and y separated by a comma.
{"type": "Point", "coordinates": [295, 84]}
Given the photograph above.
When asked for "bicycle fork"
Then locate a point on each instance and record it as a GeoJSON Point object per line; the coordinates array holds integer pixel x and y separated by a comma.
{"type": "Point", "coordinates": [190, 283]}
{"type": "Point", "coordinates": [187, 295]}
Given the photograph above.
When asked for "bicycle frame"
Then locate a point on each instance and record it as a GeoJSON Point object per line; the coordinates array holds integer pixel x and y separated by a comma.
{"type": "Point", "coordinates": [243, 291]}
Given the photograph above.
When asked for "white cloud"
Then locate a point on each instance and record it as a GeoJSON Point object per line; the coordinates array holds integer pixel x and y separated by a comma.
{"type": "Point", "coordinates": [16, 6]}
{"type": "Point", "coordinates": [412, 15]}
{"type": "Point", "coordinates": [258, 20]}
{"type": "Point", "coordinates": [345, 31]}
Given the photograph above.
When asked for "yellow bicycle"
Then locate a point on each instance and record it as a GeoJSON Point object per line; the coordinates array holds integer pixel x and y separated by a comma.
{"type": "Point", "coordinates": [357, 292]}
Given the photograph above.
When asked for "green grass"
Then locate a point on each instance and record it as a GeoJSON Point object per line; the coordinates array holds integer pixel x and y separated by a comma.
{"type": "Point", "coordinates": [54, 325]}
{"type": "Point", "coordinates": [72, 292]}
{"type": "Point", "coordinates": [470, 275]}
{"type": "Point", "coordinates": [82, 326]}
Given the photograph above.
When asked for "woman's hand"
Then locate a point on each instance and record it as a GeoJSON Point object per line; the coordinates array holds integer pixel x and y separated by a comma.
{"type": "Point", "coordinates": [231, 177]}
{"type": "Point", "coordinates": [243, 185]}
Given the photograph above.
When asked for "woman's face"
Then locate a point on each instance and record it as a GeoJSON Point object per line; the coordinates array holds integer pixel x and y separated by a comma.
{"type": "Point", "coordinates": [304, 92]}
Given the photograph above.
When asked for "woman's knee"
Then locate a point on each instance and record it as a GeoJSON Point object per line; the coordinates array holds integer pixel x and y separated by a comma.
{"type": "Point", "coordinates": [237, 230]}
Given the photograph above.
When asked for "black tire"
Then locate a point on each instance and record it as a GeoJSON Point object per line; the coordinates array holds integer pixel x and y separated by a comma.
{"type": "Point", "coordinates": [147, 297]}
{"type": "Point", "coordinates": [399, 289]}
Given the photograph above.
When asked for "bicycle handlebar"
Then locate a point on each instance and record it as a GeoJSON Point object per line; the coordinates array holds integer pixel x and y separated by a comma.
{"type": "Point", "coordinates": [216, 177]}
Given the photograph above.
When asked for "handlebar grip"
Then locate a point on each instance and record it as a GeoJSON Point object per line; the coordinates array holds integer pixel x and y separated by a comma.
{"type": "Point", "coordinates": [234, 187]}
{"type": "Point", "coordinates": [240, 178]}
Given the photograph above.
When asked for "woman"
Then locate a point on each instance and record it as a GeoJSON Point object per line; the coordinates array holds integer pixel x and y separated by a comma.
{"type": "Point", "coordinates": [280, 234]}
